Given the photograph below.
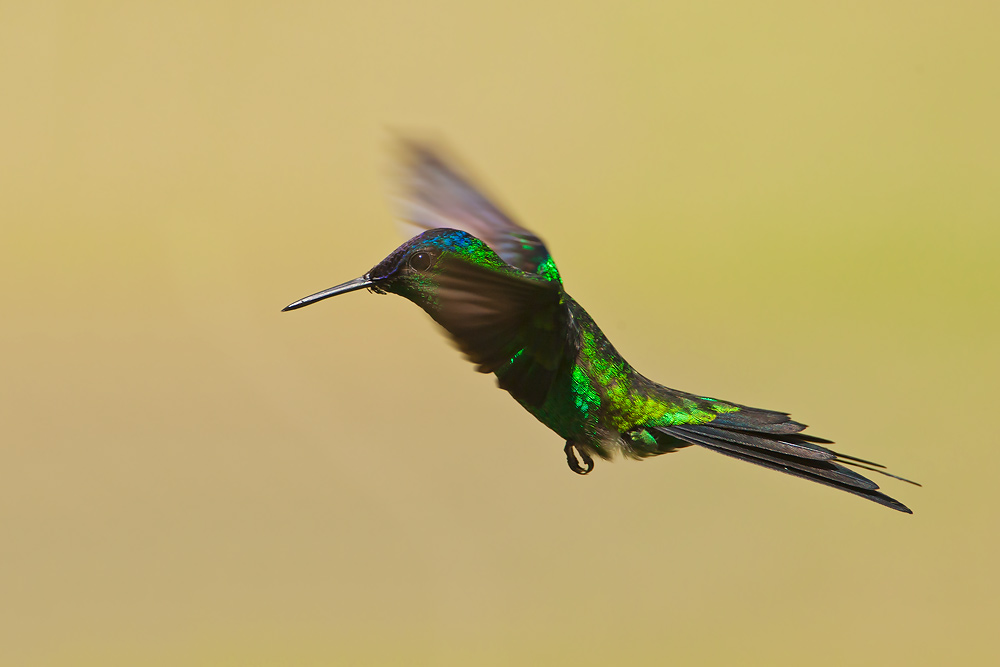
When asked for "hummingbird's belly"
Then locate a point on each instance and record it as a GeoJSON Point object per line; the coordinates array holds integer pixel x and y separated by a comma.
{"type": "Point", "coordinates": [573, 411]}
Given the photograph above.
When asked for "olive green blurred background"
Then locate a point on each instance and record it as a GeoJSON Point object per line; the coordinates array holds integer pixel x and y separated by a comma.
{"type": "Point", "coordinates": [791, 205]}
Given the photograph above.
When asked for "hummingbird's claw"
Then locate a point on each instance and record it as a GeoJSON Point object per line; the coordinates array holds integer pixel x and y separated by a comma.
{"type": "Point", "coordinates": [572, 452]}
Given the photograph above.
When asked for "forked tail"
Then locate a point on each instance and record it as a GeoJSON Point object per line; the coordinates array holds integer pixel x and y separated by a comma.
{"type": "Point", "coordinates": [772, 440]}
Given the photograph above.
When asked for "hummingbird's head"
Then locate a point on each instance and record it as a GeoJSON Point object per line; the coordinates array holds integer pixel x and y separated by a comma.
{"type": "Point", "coordinates": [413, 269]}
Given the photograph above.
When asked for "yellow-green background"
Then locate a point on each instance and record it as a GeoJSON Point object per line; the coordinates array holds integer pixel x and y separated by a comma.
{"type": "Point", "coordinates": [788, 204]}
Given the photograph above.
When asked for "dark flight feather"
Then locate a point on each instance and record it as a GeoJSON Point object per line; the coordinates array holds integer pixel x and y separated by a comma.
{"type": "Point", "coordinates": [515, 326]}
{"type": "Point", "coordinates": [434, 194]}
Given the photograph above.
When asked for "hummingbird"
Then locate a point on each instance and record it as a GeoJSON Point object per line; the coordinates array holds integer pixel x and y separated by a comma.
{"type": "Point", "coordinates": [493, 286]}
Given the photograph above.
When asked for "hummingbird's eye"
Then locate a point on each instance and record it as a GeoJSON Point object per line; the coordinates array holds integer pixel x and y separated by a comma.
{"type": "Point", "coordinates": [421, 261]}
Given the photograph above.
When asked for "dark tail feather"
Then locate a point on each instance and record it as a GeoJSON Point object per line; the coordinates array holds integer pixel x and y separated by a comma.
{"type": "Point", "coordinates": [791, 444]}
{"type": "Point", "coordinates": [847, 458]}
{"type": "Point", "coordinates": [874, 468]}
{"type": "Point", "coordinates": [786, 451]}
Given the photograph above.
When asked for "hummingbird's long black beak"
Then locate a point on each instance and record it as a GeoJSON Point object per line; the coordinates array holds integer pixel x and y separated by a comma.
{"type": "Point", "coordinates": [349, 286]}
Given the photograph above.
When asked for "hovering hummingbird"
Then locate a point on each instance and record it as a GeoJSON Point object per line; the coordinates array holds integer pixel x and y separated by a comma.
{"type": "Point", "coordinates": [495, 289]}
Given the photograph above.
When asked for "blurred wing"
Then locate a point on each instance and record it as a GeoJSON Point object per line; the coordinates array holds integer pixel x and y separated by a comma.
{"type": "Point", "coordinates": [435, 194]}
{"type": "Point", "coordinates": [515, 326]}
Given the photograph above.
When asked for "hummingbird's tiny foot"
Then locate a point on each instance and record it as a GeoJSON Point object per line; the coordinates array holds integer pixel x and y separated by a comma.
{"type": "Point", "coordinates": [573, 451]}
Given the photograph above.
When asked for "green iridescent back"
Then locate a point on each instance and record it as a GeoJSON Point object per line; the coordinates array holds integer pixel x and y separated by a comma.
{"type": "Point", "coordinates": [601, 401]}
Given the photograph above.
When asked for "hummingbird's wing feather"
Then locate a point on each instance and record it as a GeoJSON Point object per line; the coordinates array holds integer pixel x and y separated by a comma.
{"type": "Point", "coordinates": [435, 194]}
{"type": "Point", "coordinates": [516, 326]}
